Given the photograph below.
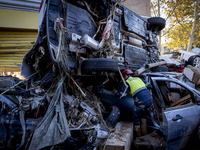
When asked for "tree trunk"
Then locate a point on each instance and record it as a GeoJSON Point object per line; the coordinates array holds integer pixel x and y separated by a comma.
{"type": "Point", "coordinates": [194, 26]}
{"type": "Point", "coordinates": [189, 48]}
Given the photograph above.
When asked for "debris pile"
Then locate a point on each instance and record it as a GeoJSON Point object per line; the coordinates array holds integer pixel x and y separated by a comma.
{"type": "Point", "coordinates": [53, 117]}
{"type": "Point", "coordinates": [66, 100]}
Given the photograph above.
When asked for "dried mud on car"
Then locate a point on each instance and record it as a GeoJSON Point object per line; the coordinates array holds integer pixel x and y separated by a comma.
{"type": "Point", "coordinates": [66, 100]}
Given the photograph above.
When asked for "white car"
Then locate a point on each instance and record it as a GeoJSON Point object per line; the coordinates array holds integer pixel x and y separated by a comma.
{"type": "Point", "coordinates": [188, 58]}
{"type": "Point", "coordinates": [196, 51]}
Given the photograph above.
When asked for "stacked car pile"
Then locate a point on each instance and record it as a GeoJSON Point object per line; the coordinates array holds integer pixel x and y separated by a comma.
{"type": "Point", "coordinates": [66, 99]}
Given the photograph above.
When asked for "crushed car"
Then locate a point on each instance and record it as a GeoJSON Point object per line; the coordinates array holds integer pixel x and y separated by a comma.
{"type": "Point", "coordinates": [174, 115]}
{"type": "Point", "coordinates": [187, 58]}
{"type": "Point", "coordinates": [80, 48]}
{"type": "Point", "coordinates": [173, 65]}
{"type": "Point", "coordinates": [175, 112]}
{"type": "Point", "coordinates": [52, 119]}
{"type": "Point", "coordinates": [92, 36]}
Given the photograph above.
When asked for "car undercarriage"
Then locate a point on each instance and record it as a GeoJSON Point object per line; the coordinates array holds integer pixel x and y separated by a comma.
{"type": "Point", "coordinates": [66, 100]}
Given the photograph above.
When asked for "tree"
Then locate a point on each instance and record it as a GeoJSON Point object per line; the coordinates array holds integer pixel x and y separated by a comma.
{"type": "Point", "coordinates": [196, 41]}
{"type": "Point", "coordinates": [194, 25]}
{"type": "Point", "coordinates": [182, 18]}
{"type": "Point", "coordinates": [155, 7]}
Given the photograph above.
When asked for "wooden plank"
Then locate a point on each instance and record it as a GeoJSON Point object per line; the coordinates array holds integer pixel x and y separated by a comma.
{"type": "Point", "coordinates": [155, 64]}
{"type": "Point", "coordinates": [182, 100]}
{"type": "Point", "coordinates": [139, 71]}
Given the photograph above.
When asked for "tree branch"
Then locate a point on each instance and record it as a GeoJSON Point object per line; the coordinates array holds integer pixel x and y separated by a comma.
{"type": "Point", "coordinates": [153, 8]}
{"type": "Point", "coordinates": [181, 24]}
{"type": "Point", "coordinates": [168, 30]}
{"type": "Point", "coordinates": [169, 15]}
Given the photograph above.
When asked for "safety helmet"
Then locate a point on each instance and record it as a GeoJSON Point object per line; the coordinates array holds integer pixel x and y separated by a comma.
{"type": "Point", "coordinates": [126, 72]}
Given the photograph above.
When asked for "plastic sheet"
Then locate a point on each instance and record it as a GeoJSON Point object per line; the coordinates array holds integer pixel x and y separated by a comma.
{"type": "Point", "coordinates": [53, 129]}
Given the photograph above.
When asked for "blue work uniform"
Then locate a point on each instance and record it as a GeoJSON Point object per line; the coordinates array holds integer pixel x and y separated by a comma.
{"type": "Point", "coordinates": [141, 95]}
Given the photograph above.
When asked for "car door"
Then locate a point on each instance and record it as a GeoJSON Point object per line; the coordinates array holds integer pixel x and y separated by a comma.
{"type": "Point", "coordinates": [179, 122]}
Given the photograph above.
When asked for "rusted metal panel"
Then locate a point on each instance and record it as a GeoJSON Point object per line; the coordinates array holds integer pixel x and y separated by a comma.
{"type": "Point", "coordinates": [13, 46]}
{"type": "Point", "coordinates": [24, 50]}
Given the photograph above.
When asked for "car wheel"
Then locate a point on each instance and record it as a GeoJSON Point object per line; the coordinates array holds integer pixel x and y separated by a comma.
{"type": "Point", "coordinates": [194, 61]}
{"type": "Point", "coordinates": [113, 116]}
{"type": "Point", "coordinates": [159, 69]}
{"type": "Point", "coordinates": [156, 23]}
{"type": "Point", "coordinates": [99, 64]}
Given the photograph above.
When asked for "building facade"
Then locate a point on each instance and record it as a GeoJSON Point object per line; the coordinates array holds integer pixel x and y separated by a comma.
{"type": "Point", "coordinates": [141, 7]}
{"type": "Point", "coordinates": [18, 31]}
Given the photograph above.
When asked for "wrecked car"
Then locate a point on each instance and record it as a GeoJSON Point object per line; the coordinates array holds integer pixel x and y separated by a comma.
{"type": "Point", "coordinates": [92, 36]}
{"type": "Point", "coordinates": [186, 58]}
{"type": "Point", "coordinates": [80, 47]}
{"type": "Point", "coordinates": [11, 114]}
{"type": "Point", "coordinates": [51, 119]}
{"type": "Point", "coordinates": [175, 113]}
{"type": "Point", "coordinates": [173, 65]}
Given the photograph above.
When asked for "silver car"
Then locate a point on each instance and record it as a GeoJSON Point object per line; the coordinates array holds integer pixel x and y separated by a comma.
{"type": "Point", "coordinates": [175, 113]}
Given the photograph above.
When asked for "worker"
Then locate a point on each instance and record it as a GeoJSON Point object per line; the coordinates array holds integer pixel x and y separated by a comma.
{"type": "Point", "coordinates": [141, 96]}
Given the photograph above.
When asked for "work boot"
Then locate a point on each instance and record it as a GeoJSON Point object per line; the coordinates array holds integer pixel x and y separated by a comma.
{"type": "Point", "coordinates": [137, 131]}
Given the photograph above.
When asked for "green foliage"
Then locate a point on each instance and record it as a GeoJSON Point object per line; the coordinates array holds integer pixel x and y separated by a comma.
{"type": "Point", "coordinates": [179, 15]}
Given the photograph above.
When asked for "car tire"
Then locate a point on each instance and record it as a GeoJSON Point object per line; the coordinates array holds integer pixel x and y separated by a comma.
{"type": "Point", "coordinates": [194, 60]}
{"type": "Point", "coordinates": [159, 69]}
{"type": "Point", "coordinates": [99, 64]}
{"type": "Point", "coordinates": [113, 116]}
{"type": "Point", "coordinates": [156, 23]}
{"type": "Point", "coordinates": [186, 63]}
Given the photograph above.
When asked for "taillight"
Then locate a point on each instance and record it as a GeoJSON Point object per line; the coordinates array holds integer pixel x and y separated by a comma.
{"type": "Point", "coordinates": [41, 5]}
